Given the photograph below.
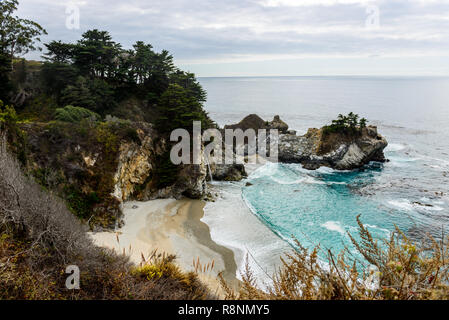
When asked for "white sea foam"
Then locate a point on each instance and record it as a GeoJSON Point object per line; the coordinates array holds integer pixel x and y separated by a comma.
{"type": "Point", "coordinates": [330, 170]}
{"type": "Point", "coordinates": [334, 226]}
{"type": "Point", "coordinates": [268, 169]}
{"type": "Point", "coordinates": [395, 147]}
{"type": "Point", "coordinates": [407, 205]}
{"type": "Point", "coordinates": [402, 204]}
{"type": "Point", "coordinates": [376, 227]}
{"type": "Point", "coordinates": [233, 225]}
{"type": "Point", "coordinates": [306, 180]}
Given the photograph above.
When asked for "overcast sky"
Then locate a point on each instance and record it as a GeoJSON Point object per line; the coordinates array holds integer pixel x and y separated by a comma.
{"type": "Point", "coordinates": [269, 37]}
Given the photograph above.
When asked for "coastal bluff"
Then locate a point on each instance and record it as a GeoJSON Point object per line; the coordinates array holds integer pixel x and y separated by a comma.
{"type": "Point", "coordinates": [340, 150]}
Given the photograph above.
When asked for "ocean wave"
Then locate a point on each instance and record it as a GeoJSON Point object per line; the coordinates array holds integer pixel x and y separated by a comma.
{"type": "Point", "coordinates": [287, 174]}
{"type": "Point", "coordinates": [444, 162]}
{"type": "Point", "coordinates": [371, 226]}
{"type": "Point", "coordinates": [402, 204]}
{"type": "Point", "coordinates": [402, 159]}
{"type": "Point", "coordinates": [334, 226]}
{"type": "Point", "coordinates": [307, 180]}
{"type": "Point", "coordinates": [408, 205]}
{"type": "Point", "coordinates": [268, 169]}
{"type": "Point", "coordinates": [395, 147]}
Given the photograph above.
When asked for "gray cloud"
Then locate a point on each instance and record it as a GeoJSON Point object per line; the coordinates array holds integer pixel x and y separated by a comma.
{"type": "Point", "coordinates": [233, 31]}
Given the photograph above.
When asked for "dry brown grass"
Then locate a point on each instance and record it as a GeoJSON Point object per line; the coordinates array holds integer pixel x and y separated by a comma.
{"type": "Point", "coordinates": [400, 270]}
{"type": "Point", "coordinates": [39, 238]}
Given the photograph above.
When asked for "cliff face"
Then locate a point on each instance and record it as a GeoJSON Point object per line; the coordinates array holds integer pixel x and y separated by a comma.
{"type": "Point", "coordinates": [340, 151]}
{"type": "Point", "coordinates": [97, 170]}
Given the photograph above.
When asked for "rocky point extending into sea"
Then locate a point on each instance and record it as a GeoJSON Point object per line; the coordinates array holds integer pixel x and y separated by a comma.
{"type": "Point", "coordinates": [317, 148]}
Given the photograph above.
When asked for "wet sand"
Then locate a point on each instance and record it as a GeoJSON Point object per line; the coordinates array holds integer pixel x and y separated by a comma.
{"type": "Point", "coordinates": [174, 227]}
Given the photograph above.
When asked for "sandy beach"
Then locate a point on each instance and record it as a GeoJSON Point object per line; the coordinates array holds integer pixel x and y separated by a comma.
{"type": "Point", "coordinates": [174, 227]}
{"type": "Point", "coordinates": [224, 232]}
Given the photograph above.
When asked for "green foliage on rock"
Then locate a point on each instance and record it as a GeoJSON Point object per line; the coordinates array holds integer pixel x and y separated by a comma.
{"type": "Point", "coordinates": [8, 115]}
{"type": "Point", "coordinates": [346, 124]}
{"type": "Point", "coordinates": [96, 73]}
{"type": "Point", "coordinates": [74, 114]}
{"type": "Point", "coordinates": [57, 76]}
{"type": "Point", "coordinates": [166, 173]}
{"type": "Point", "coordinates": [80, 203]}
{"type": "Point", "coordinates": [91, 79]}
{"type": "Point", "coordinates": [5, 82]}
{"type": "Point", "coordinates": [95, 95]}
{"type": "Point", "coordinates": [15, 136]}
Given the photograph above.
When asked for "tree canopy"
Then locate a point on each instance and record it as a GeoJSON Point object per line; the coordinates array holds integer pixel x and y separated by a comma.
{"type": "Point", "coordinates": [346, 124]}
{"type": "Point", "coordinates": [17, 37]}
{"type": "Point", "coordinates": [96, 72]}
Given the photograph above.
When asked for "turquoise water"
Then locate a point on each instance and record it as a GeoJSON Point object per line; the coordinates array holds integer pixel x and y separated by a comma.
{"type": "Point", "coordinates": [320, 207]}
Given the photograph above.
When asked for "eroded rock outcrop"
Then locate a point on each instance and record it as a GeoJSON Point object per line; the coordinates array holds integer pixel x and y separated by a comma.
{"type": "Point", "coordinates": [341, 151]}
{"type": "Point", "coordinates": [228, 172]}
{"type": "Point", "coordinates": [278, 124]}
{"type": "Point", "coordinates": [318, 147]}
{"type": "Point", "coordinates": [96, 168]}
{"type": "Point", "coordinates": [135, 164]}
{"type": "Point", "coordinates": [253, 121]}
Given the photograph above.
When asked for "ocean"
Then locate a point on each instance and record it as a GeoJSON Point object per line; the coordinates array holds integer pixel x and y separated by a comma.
{"type": "Point", "coordinates": [320, 207]}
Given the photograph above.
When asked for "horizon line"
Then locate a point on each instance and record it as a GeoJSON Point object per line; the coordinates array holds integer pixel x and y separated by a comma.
{"type": "Point", "coordinates": [330, 75]}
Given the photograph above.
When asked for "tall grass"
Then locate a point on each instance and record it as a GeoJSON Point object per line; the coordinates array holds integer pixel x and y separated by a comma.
{"type": "Point", "coordinates": [396, 269]}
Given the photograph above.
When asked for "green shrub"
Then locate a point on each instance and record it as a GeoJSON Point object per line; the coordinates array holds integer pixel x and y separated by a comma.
{"type": "Point", "coordinates": [8, 115]}
{"type": "Point", "coordinates": [79, 203]}
{"type": "Point", "coordinates": [166, 172]}
{"type": "Point", "coordinates": [15, 136]}
{"type": "Point", "coordinates": [74, 114]}
{"type": "Point", "coordinates": [346, 124]}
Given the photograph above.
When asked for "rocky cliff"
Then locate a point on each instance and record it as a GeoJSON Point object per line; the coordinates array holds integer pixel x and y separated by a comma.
{"type": "Point", "coordinates": [343, 150]}
{"type": "Point", "coordinates": [96, 167]}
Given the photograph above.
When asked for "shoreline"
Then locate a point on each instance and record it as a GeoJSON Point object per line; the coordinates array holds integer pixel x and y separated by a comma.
{"type": "Point", "coordinates": [235, 226]}
{"type": "Point", "coordinates": [224, 232]}
{"type": "Point", "coordinates": [173, 227]}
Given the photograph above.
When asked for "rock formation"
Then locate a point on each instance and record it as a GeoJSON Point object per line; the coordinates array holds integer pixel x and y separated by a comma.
{"type": "Point", "coordinates": [228, 172]}
{"type": "Point", "coordinates": [318, 147]}
{"type": "Point", "coordinates": [278, 124]}
{"type": "Point", "coordinates": [335, 150]}
{"type": "Point", "coordinates": [253, 121]}
{"type": "Point", "coordinates": [99, 176]}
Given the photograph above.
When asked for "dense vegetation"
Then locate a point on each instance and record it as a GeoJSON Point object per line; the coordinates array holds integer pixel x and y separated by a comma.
{"type": "Point", "coordinates": [17, 36]}
{"type": "Point", "coordinates": [349, 124]}
{"type": "Point", "coordinates": [97, 74]}
{"type": "Point", "coordinates": [39, 238]}
{"type": "Point", "coordinates": [95, 94]}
